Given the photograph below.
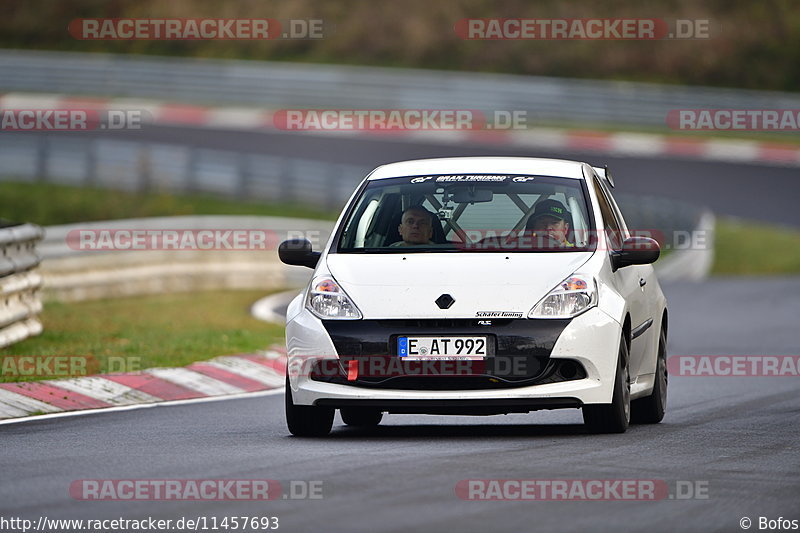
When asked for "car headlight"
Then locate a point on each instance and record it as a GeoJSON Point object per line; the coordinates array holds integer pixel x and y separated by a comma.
{"type": "Point", "coordinates": [326, 299]}
{"type": "Point", "coordinates": [570, 298]}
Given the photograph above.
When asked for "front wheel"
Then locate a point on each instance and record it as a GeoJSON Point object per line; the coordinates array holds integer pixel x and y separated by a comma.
{"type": "Point", "coordinates": [613, 417]}
{"type": "Point", "coordinates": [307, 420]}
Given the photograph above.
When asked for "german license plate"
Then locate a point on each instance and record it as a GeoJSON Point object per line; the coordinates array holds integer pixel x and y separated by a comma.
{"type": "Point", "coordinates": [411, 348]}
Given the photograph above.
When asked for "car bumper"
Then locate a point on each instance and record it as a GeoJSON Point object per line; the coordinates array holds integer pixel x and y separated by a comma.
{"type": "Point", "coordinates": [590, 339]}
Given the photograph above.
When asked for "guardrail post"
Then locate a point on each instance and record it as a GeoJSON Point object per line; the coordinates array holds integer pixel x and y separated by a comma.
{"type": "Point", "coordinates": [42, 153]}
{"type": "Point", "coordinates": [334, 184]}
{"type": "Point", "coordinates": [91, 163]}
{"type": "Point", "coordinates": [144, 167]}
{"type": "Point", "coordinates": [20, 302]}
{"type": "Point", "coordinates": [286, 180]}
{"type": "Point", "coordinates": [191, 170]}
{"type": "Point", "coordinates": [243, 175]}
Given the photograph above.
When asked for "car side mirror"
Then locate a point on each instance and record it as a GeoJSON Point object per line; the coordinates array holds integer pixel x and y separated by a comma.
{"type": "Point", "coordinates": [636, 251]}
{"type": "Point", "coordinates": [297, 252]}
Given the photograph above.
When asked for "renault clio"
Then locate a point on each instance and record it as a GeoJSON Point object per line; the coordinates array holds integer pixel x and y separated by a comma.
{"type": "Point", "coordinates": [478, 286]}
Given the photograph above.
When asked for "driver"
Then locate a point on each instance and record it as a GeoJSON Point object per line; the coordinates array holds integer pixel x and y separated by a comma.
{"type": "Point", "coordinates": [416, 227]}
{"type": "Point", "coordinates": [550, 221]}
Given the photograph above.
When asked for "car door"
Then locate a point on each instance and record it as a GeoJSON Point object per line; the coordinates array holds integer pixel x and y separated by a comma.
{"type": "Point", "coordinates": [643, 332]}
{"type": "Point", "coordinates": [631, 281]}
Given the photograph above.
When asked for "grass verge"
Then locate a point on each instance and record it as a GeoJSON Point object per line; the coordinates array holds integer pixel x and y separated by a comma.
{"type": "Point", "coordinates": [48, 204]}
{"type": "Point", "coordinates": [744, 247]}
{"type": "Point", "coordinates": [146, 331]}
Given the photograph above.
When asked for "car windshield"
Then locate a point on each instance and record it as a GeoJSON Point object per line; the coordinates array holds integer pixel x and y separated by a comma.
{"type": "Point", "coordinates": [470, 213]}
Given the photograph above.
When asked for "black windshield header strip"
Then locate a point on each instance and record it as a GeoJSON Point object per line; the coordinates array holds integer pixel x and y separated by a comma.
{"type": "Point", "coordinates": [471, 178]}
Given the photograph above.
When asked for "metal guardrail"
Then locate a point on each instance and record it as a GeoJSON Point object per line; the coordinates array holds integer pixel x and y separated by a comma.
{"type": "Point", "coordinates": [137, 166]}
{"type": "Point", "coordinates": [287, 85]}
{"type": "Point", "coordinates": [20, 282]}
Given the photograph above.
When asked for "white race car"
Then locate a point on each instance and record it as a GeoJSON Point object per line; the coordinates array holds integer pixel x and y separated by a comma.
{"type": "Point", "coordinates": [478, 286]}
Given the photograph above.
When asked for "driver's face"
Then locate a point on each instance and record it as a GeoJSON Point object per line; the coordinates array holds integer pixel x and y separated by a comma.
{"type": "Point", "coordinates": [415, 227]}
{"type": "Point", "coordinates": [555, 227]}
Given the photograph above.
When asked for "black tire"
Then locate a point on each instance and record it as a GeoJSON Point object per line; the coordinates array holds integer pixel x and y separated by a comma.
{"type": "Point", "coordinates": [307, 420]}
{"type": "Point", "coordinates": [361, 416]}
{"type": "Point", "coordinates": [651, 409]}
{"type": "Point", "coordinates": [613, 417]}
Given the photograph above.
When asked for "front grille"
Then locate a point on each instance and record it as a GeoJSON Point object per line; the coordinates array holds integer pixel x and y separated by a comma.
{"type": "Point", "coordinates": [376, 373]}
{"type": "Point", "coordinates": [508, 336]}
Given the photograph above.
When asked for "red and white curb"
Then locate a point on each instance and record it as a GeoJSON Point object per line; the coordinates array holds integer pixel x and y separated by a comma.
{"type": "Point", "coordinates": [638, 144]}
{"type": "Point", "coordinates": [221, 376]}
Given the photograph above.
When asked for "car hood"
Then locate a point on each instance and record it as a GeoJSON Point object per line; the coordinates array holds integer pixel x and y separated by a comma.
{"type": "Point", "coordinates": [385, 286]}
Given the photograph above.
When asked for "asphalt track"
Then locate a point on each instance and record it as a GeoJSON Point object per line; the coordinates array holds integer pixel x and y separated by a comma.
{"type": "Point", "coordinates": [736, 436]}
{"type": "Point", "coordinates": [758, 192]}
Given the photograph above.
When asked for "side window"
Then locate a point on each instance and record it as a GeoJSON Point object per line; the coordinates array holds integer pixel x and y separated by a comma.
{"type": "Point", "coordinates": [612, 227]}
{"type": "Point", "coordinates": [614, 206]}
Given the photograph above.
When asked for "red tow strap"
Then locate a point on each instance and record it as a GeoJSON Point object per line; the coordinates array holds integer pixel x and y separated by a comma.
{"type": "Point", "coordinates": [352, 370]}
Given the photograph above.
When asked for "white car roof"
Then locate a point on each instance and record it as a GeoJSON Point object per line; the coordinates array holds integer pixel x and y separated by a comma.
{"type": "Point", "coordinates": [480, 165]}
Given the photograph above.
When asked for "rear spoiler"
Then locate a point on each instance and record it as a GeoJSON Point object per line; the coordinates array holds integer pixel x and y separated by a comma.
{"type": "Point", "coordinates": [605, 174]}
